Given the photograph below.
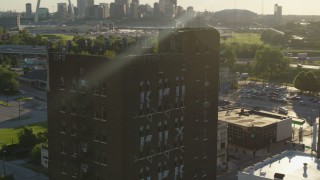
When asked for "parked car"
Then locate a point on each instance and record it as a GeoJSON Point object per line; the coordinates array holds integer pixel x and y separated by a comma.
{"type": "Point", "coordinates": [295, 98]}
{"type": "Point", "coordinates": [22, 92]}
{"type": "Point", "coordinates": [302, 103]}
{"type": "Point", "coordinates": [41, 107]}
{"type": "Point", "coordinates": [283, 110]}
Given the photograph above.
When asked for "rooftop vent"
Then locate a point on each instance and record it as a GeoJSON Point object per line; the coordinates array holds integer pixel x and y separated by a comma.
{"type": "Point", "coordinates": [278, 176]}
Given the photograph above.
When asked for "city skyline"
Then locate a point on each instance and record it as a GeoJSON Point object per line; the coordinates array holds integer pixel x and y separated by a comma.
{"type": "Point", "coordinates": [257, 6]}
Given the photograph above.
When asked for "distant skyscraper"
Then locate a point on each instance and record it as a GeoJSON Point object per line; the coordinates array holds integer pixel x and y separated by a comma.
{"type": "Point", "coordinates": [62, 11]}
{"type": "Point", "coordinates": [277, 13]}
{"type": "Point", "coordinates": [28, 10]}
{"type": "Point", "coordinates": [106, 9]}
{"type": "Point", "coordinates": [82, 6]}
{"type": "Point", "coordinates": [174, 2]}
{"type": "Point", "coordinates": [190, 12]}
{"type": "Point", "coordinates": [125, 3]}
{"type": "Point", "coordinates": [117, 10]}
{"type": "Point", "coordinates": [136, 1]}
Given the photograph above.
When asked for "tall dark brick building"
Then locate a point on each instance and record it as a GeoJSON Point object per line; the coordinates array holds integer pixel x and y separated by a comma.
{"type": "Point", "coordinates": [138, 117]}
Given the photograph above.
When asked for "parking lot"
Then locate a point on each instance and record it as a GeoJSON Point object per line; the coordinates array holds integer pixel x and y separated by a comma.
{"type": "Point", "coordinates": [21, 113]}
{"type": "Point", "coordinates": [273, 98]}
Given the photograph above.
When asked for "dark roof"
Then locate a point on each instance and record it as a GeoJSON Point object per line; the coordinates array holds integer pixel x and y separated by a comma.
{"type": "Point", "coordinates": [39, 74]}
{"type": "Point", "coordinates": [24, 49]}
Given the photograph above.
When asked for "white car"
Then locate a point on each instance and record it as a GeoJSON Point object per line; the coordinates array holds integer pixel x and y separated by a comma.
{"type": "Point", "coordinates": [283, 110]}
{"type": "Point", "coordinates": [22, 92]}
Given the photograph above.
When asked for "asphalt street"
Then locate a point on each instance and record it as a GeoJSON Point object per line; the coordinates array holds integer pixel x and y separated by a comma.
{"type": "Point", "coordinates": [29, 112]}
{"type": "Point", "coordinates": [20, 173]}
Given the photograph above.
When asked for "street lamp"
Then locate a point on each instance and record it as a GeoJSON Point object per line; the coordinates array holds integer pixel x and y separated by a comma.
{"type": "Point", "coordinates": [7, 91]}
{"type": "Point", "coordinates": [19, 109]}
{"type": "Point", "coordinates": [4, 163]}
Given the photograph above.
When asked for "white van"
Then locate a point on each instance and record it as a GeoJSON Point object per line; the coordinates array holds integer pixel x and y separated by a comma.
{"type": "Point", "coordinates": [244, 75]}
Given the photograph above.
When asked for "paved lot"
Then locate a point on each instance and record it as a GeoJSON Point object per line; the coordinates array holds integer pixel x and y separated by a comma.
{"type": "Point", "coordinates": [29, 112]}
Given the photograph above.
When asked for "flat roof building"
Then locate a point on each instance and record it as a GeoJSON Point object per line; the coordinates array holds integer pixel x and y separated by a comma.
{"type": "Point", "coordinates": [10, 21]}
{"type": "Point", "coordinates": [134, 117]}
{"type": "Point", "coordinates": [291, 165]}
{"type": "Point", "coordinates": [254, 130]}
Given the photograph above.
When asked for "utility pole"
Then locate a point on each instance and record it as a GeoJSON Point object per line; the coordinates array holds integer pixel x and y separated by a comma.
{"type": "Point", "coordinates": [19, 109]}
{"type": "Point", "coordinates": [318, 147]}
{"type": "Point", "coordinates": [4, 163]}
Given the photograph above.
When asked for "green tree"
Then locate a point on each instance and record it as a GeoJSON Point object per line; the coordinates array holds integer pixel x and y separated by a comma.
{"type": "Point", "coordinates": [26, 137]}
{"type": "Point", "coordinates": [109, 54]}
{"type": "Point", "coordinates": [298, 81]}
{"type": "Point", "coordinates": [229, 56]}
{"type": "Point", "coordinates": [310, 82]}
{"type": "Point", "coordinates": [26, 70]}
{"type": "Point", "coordinates": [35, 154]}
{"type": "Point", "coordinates": [14, 61]}
{"type": "Point", "coordinates": [8, 177]}
{"type": "Point", "coordinates": [6, 61]}
{"type": "Point", "coordinates": [42, 137]}
{"type": "Point", "coordinates": [270, 64]}
{"type": "Point", "coordinates": [8, 81]}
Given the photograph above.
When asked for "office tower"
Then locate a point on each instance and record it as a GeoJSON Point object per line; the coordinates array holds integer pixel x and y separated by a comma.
{"type": "Point", "coordinates": [9, 21]}
{"type": "Point", "coordinates": [134, 10]}
{"type": "Point", "coordinates": [156, 10]}
{"type": "Point", "coordinates": [136, 1]}
{"type": "Point", "coordinates": [95, 12]}
{"type": "Point", "coordinates": [106, 9]}
{"type": "Point", "coordinates": [136, 117]}
{"type": "Point", "coordinates": [126, 4]}
{"type": "Point", "coordinates": [190, 12]}
{"type": "Point", "coordinates": [277, 13]}
{"type": "Point", "coordinates": [82, 7]}
{"type": "Point", "coordinates": [62, 11]}
{"type": "Point", "coordinates": [174, 2]}
{"type": "Point", "coordinates": [28, 10]}
{"type": "Point", "coordinates": [117, 10]}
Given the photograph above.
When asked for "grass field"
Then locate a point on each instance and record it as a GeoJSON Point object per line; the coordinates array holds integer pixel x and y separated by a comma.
{"type": "Point", "coordinates": [58, 36]}
{"type": "Point", "coordinates": [23, 98]}
{"type": "Point", "coordinates": [4, 103]}
{"type": "Point", "coordinates": [9, 135]}
{"type": "Point", "coordinates": [250, 38]}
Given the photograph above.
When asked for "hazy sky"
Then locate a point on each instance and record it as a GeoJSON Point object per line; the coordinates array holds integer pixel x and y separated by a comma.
{"type": "Point", "coordinates": [301, 7]}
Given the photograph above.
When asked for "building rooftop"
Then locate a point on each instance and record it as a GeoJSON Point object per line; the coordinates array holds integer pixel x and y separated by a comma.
{"type": "Point", "coordinates": [23, 49]}
{"type": "Point", "coordinates": [249, 117]}
{"type": "Point", "coordinates": [39, 74]}
{"type": "Point", "coordinates": [252, 117]}
{"type": "Point", "coordinates": [290, 164]}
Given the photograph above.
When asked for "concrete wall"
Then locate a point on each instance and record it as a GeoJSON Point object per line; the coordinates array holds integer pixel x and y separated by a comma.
{"type": "Point", "coordinates": [246, 176]}
{"type": "Point", "coordinates": [284, 129]}
{"type": "Point", "coordinates": [44, 157]}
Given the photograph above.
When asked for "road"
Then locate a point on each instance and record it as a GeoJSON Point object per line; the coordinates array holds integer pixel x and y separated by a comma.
{"type": "Point", "coordinates": [306, 66]}
{"type": "Point", "coordinates": [29, 114]}
{"type": "Point", "coordinates": [21, 173]}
